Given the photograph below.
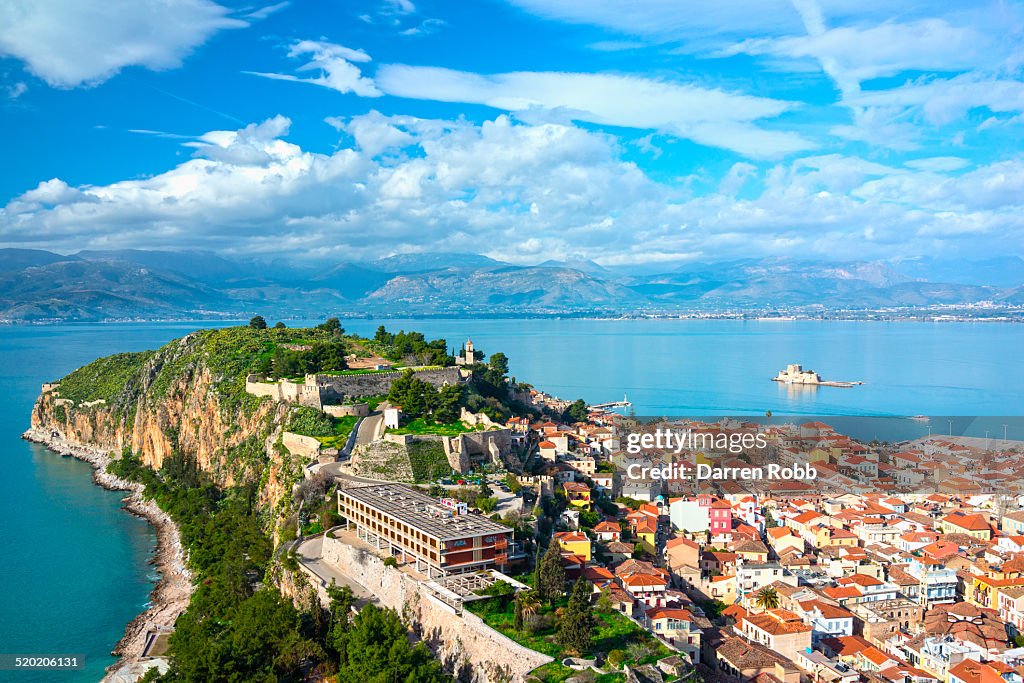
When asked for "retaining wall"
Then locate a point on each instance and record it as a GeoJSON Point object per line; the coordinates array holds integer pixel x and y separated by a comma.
{"type": "Point", "coordinates": [457, 640]}
{"type": "Point", "coordinates": [302, 446]}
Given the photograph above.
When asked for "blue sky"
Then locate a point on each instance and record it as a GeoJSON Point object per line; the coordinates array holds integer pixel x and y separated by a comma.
{"type": "Point", "coordinates": [655, 131]}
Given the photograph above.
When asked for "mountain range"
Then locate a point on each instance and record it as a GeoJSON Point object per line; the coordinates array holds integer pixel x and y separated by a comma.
{"type": "Point", "coordinates": [38, 285]}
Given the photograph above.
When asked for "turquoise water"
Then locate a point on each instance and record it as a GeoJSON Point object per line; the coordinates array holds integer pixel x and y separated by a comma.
{"type": "Point", "coordinates": [73, 565]}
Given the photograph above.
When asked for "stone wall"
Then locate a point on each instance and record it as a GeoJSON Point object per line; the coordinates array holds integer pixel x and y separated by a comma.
{"type": "Point", "coordinates": [318, 388]}
{"type": "Point", "coordinates": [348, 409]}
{"type": "Point", "coordinates": [491, 446]}
{"type": "Point", "coordinates": [379, 383]}
{"type": "Point", "coordinates": [301, 446]}
{"type": "Point", "coordinates": [456, 639]}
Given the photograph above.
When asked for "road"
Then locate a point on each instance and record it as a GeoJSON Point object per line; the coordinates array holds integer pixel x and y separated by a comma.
{"type": "Point", "coordinates": [310, 551]}
{"type": "Point", "coordinates": [369, 425]}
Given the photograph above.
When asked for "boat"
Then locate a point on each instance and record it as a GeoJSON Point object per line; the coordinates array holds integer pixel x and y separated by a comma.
{"type": "Point", "coordinates": [920, 418]}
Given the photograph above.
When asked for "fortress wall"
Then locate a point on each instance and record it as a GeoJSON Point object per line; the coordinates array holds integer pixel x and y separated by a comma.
{"type": "Point", "coordinates": [302, 446]}
{"type": "Point", "coordinates": [353, 409]}
{"type": "Point", "coordinates": [379, 383]}
{"type": "Point", "coordinates": [455, 639]}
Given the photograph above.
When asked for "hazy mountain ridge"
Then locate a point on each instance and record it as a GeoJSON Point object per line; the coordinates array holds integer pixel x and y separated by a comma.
{"type": "Point", "coordinates": [103, 285]}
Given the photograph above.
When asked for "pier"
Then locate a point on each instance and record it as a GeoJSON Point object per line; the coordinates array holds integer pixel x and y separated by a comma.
{"type": "Point", "coordinates": [624, 403]}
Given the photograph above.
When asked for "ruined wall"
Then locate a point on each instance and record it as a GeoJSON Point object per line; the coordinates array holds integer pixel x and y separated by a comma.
{"type": "Point", "coordinates": [456, 639]}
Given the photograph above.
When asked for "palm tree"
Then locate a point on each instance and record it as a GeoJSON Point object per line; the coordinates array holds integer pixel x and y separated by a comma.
{"type": "Point", "coordinates": [767, 598]}
{"type": "Point", "coordinates": [529, 604]}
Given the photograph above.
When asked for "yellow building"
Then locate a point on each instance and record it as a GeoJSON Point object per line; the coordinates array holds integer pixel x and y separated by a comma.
{"type": "Point", "coordinates": [975, 525]}
{"type": "Point", "coordinates": [574, 542]}
{"type": "Point", "coordinates": [578, 494]}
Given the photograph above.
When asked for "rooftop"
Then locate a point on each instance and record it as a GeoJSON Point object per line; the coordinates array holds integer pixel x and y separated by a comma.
{"type": "Point", "coordinates": [422, 512]}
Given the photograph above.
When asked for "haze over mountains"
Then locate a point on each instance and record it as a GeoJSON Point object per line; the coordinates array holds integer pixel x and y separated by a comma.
{"type": "Point", "coordinates": [37, 285]}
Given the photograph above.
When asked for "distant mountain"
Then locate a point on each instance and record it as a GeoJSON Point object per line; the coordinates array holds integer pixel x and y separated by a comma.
{"type": "Point", "coordinates": [998, 271]}
{"type": "Point", "coordinates": [776, 281]}
{"type": "Point", "coordinates": [101, 290]}
{"type": "Point", "coordinates": [18, 259]}
{"type": "Point", "coordinates": [101, 285]}
{"type": "Point", "coordinates": [414, 263]}
{"type": "Point", "coordinates": [203, 266]}
{"type": "Point", "coordinates": [540, 289]}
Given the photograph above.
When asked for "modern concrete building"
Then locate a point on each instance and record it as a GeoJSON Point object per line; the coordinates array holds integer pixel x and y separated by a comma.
{"type": "Point", "coordinates": [419, 529]}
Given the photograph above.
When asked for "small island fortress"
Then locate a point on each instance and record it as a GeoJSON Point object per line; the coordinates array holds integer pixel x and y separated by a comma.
{"type": "Point", "coordinates": [795, 374]}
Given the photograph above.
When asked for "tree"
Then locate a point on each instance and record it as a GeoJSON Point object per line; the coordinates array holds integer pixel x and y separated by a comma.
{"type": "Point", "coordinates": [487, 505]}
{"type": "Point", "coordinates": [576, 412]}
{"type": "Point", "coordinates": [527, 607]}
{"type": "Point", "coordinates": [577, 622]}
{"type": "Point", "coordinates": [767, 598]}
{"type": "Point", "coordinates": [280, 326]}
{"type": "Point", "coordinates": [257, 322]}
{"type": "Point", "coordinates": [449, 403]}
{"type": "Point", "coordinates": [378, 650]}
{"type": "Point", "coordinates": [331, 325]}
{"type": "Point", "coordinates": [342, 600]}
{"type": "Point", "coordinates": [551, 573]}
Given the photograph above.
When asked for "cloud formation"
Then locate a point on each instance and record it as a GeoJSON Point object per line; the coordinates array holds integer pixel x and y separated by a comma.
{"type": "Point", "coordinates": [336, 65]}
{"type": "Point", "coordinates": [68, 43]}
{"type": "Point", "coordinates": [522, 192]}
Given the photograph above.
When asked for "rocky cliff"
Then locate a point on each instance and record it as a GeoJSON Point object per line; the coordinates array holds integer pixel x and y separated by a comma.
{"type": "Point", "coordinates": [185, 397]}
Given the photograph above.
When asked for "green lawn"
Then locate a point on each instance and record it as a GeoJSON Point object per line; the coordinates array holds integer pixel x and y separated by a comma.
{"type": "Point", "coordinates": [612, 631]}
{"type": "Point", "coordinates": [421, 426]}
{"type": "Point", "coordinates": [342, 428]}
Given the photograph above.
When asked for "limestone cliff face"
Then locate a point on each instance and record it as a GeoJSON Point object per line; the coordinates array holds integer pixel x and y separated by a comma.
{"type": "Point", "coordinates": [174, 399]}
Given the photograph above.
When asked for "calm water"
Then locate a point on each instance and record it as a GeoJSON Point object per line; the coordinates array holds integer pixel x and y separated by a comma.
{"type": "Point", "coordinates": [73, 565]}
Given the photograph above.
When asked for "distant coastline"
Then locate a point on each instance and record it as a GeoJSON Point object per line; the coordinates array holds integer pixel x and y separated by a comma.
{"type": "Point", "coordinates": [170, 597]}
{"type": "Point", "coordinates": [1013, 314]}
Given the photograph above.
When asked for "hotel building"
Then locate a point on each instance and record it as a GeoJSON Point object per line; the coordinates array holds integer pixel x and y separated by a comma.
{"type": "Point", "coordinates": [422, 530]}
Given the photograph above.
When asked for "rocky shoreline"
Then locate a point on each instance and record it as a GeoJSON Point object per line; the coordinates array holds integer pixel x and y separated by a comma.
{"type": "Point", "coordinates": [172, 593]}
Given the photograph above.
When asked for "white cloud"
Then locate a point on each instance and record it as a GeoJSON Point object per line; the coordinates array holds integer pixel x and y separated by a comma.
{"type": "Point", "coordinates": [709, 116]}
{"type": "Point", "coordinates": [69, 43]}
{"type": "Point", "coordinates": [938, 164]}
{"type": "Point", "coordinates": [16, 90]}
{"type": "Point", "coordinates": [264, 12]}
{"type": "Point", "coordinates": [516, 191]}
{"type": "Point", "coordinates": [337, 66]}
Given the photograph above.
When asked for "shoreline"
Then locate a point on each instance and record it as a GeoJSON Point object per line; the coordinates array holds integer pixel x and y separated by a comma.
{"type": "Point", "coordinates": [171, 595]}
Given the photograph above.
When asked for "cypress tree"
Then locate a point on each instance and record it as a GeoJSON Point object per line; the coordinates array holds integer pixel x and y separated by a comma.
{"type": "Point", "coordinates": [576, 624]}
{"type": "Point", "coordinates": [551, 573]}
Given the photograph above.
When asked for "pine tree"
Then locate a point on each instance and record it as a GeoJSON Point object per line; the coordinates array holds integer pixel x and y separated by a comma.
{"type": "Point", "coordinates": [551, 573]}
{"type": "Point", "coordinates": [577, 624]}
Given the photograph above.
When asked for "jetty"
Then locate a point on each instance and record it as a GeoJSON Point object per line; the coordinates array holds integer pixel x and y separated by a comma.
{"type": "Point", "coordinates": [624, 403]}
{"type": "Point", "coordinates": [795, 374]}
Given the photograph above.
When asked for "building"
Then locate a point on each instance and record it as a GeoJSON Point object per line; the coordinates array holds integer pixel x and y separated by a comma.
{"type": "Point", "coordinates": [779, 630]}
{"type": "Point", "coordinates": [419, 529]}
{"type": "Point", "coordinates": [936, 583]}
{"type": "Point", "coordinates": [578, 494]}
{"type": "Point", "coordinates": [974, 525]}
{"type": "Point", "coordinates": [573, 543]}
{"type": "Point", "coordinates": [689, 515]}
{"type": "Point", "coordinates": [468, 355]}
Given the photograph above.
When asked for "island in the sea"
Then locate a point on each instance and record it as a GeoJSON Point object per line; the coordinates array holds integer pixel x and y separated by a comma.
{"type": "Point", "coordinates": [795, 374]}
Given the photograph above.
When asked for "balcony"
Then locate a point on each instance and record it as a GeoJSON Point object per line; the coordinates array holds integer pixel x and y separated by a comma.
{"type": "Point", "coordinates": [501, 543]}
{"type": "Point", "coordinates": [501, 558]}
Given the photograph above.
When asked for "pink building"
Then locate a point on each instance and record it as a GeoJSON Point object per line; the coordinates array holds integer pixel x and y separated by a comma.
{"type": "Point", "coordinates": [719, 514]}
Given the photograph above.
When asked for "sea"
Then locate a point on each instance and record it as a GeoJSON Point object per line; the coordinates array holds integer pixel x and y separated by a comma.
{"type": "Point", "coordinates": [75, 568]}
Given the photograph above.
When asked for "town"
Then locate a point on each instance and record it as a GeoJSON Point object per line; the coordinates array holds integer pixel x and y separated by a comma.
{"type": "Point", "coordinates": [898, 562]}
